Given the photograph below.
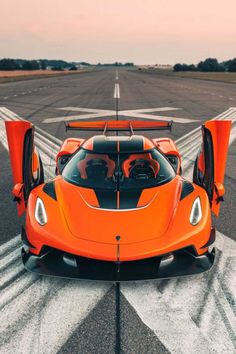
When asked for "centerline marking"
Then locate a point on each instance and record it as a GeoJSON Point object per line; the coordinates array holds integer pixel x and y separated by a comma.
{"type": "Point", "coordinates": [117, 91]}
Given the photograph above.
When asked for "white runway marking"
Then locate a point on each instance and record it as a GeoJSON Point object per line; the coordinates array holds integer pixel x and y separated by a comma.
{"type": "Point", "coordinates": [117, 91]}
{"type": "Point", "coordinates": [192, 313]}
{"type": "Point", "coordinates": [101, 113]}
{"type": "Point", "coordinates": [9, 245]}
{"type": "Point", "coordinates": [42, 317]}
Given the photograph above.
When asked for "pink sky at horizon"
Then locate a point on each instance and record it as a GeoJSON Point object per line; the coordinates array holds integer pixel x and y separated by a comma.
{"type": "Point", "coordinates": [144, 32]}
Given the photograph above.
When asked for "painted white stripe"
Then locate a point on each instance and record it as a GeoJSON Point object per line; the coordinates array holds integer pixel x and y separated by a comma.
{"type": "Point", "coordinates": [152, 110]}
{"type": "Point", "coordinates": [136, 113]}
{"type": "Point", "coordinates": [3, 139]}
{"type": "Point", "coordinates": [193, 314]}
{"type": "Point", "coordinates": [233, 134]}
{"type": "Point", "coordinates": [12, 256]}
{"type": "Point", "coordinates": [77, 117]}
{"type": "Point", "coordinates": [223, 115]}
{"type": "Point", "coordinates": [12, 272]}
{"type": "Point", "coordinates": [88, 110]}
{"type": "Point", "coordinates": [173, 326]}
{"type": "Point", "coordinates": [35, 312]}
{"type": "Point", "coordinates": [117, 91]}
{"type": "Point", "coordinates": [13, 290]}
{"type": "Point", "coordinates": [143, 110]}
{"type": "Point", "coordinates": [6, 114]}
{"type": "Point", "coordinates": [157, 117]}
{"type": "Point", "coordinates": [6, 247]}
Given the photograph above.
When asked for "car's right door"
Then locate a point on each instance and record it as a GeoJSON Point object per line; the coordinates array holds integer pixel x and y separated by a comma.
{"type": "Point", "coordinates": [209, 169]}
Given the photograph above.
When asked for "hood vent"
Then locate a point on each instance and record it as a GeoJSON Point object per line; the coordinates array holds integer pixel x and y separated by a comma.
{"type": "Point", "coordinates": [187, 188]}
{"type": "Point", "coordinates": [49, 189]}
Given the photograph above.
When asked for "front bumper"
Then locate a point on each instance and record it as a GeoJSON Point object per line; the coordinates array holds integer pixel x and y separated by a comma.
{"type": "Point", "coordinates": [61, 264]}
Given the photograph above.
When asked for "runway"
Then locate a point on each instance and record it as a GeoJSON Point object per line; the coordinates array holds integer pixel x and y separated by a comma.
{"type": "Point", "coordinates": [189, 315]}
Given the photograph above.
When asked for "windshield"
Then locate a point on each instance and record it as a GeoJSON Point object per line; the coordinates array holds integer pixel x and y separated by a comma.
{"type": "Point", "coordinates": [118, 171]}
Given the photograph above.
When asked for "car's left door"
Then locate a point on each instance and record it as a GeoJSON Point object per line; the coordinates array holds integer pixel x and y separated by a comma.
{"type": "Point", "coordinates": [26, 164]}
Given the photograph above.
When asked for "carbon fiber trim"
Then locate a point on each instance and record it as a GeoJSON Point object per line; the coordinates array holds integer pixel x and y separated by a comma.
{"type": "Point", "coordinates": [61, 264]}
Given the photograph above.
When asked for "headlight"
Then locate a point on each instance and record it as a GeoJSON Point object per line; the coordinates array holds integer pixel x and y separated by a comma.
{"type": "Point", "coordinates": [40, 212]}
{"type": "Point", "coordinates": [196, 212]}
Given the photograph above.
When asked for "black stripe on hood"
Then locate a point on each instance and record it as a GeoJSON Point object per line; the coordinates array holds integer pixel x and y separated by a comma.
{"type": "Point", "coordinates": [128, 199]}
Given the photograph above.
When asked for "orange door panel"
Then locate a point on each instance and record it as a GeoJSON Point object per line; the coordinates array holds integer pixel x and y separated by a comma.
{"type": "Point", "coordinates": [210, 164]}
{"type": "Point", "coordinates": [27, 169]}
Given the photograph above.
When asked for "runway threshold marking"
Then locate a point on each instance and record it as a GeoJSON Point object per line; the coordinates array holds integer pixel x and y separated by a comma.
{"type": "Point", "coordinates": [173, 307]}
{"type": "Point", "coordinates": [192, 314]}
{"type": "Point", "coordinates": [134, 113]}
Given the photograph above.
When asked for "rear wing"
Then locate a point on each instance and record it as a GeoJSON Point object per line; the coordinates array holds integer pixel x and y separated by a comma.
{"type": "Point", "coordinates": [119, 125]}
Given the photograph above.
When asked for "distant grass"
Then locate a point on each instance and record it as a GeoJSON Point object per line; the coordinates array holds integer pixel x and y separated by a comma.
{"type": "Point", "coordinates": [225, 77]}
{"type": "Point", "coordinates": [17, 75]}
{"type": "Point", "coordinates": [212, 76]}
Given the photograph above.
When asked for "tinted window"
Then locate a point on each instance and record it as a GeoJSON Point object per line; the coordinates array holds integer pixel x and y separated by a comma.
{"type": "Point", "coordinates": [118, 171]}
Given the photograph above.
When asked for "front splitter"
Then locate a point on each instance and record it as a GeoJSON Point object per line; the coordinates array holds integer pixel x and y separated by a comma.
{"type": "Point", "coordinates": [60, 264]}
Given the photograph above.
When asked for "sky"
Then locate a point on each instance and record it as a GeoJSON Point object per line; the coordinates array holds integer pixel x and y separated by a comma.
{"type": "Point", "coordinates": [140, 31]}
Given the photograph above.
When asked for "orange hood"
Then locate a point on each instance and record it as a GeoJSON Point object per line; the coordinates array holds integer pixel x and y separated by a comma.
{"type": "Point", "coordinates": [149, 219]}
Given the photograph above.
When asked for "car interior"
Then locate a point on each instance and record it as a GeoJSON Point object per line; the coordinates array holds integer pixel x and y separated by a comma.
{"type": "Point", "coordinates": [134, 166]}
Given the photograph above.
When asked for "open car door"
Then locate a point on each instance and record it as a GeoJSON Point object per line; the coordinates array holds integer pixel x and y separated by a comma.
{"type": "Point", "coordinates": [27, 168]}
{"type": "Point", "coordinates": [209, 169]}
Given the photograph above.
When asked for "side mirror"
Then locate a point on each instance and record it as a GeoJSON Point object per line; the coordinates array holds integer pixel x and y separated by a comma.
{"type": "Point", "coordinates": [17, 192]}
{"type": "Point", "coordinates": [220, 191]}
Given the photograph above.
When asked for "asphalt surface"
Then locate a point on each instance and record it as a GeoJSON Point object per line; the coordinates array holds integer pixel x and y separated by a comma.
{"type": "Point", "coordinates": [50, 316]}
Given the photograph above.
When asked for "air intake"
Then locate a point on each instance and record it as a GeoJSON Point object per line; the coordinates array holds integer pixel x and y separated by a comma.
{"type": "Point", "coordinates": [187, 188]}
{"type": "Point", "coordinates": [49, 189]}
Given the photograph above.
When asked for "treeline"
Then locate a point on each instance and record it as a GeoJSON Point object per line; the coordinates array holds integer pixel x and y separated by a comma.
{"type": "Point", "coordinates": [12, 64]}
{"type": "Point", "coordinates": [208, 65]}
{"type": "Point", "coordinates": [115, 64]}
{"type": "Point", "coordinates": [41, 64]}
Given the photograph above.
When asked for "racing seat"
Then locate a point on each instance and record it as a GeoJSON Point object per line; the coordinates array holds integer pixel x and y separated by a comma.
{"type": "Point", "coordinates": [140, 166]}
{"type": "Point", "coordinates": [96, 166]}
{"type": "Point", "coordinates": [141, 169]}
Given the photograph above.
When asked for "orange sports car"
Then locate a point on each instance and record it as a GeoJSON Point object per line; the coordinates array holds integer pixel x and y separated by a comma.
{"type": "Point", "coordinates": [118, 208]}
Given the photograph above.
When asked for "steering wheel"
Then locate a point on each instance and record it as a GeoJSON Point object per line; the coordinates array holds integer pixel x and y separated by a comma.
{"type": "Point", "coordinates": [93, 162]}
{"type": "Point", "coordinates": [141, 169]}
